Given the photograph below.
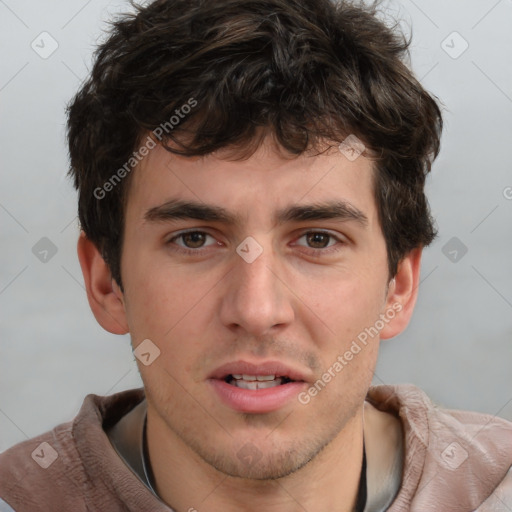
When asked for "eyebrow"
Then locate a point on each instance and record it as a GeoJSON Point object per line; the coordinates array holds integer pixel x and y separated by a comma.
{"type": "Point", "coordinates": [174, 209]}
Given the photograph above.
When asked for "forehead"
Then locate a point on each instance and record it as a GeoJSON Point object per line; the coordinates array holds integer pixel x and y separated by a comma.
{"type": "Point", "coordinates": [267, 181]}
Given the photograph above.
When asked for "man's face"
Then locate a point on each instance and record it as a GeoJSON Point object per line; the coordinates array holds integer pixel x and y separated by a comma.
{"type": "Point", "coordinates": [215, 311]}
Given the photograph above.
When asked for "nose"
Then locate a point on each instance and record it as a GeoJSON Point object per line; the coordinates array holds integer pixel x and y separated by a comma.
{"type": "Point", "coordinates": [256, 298]}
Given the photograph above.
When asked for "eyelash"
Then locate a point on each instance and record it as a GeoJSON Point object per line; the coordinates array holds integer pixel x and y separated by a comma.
{"type": "Point", "coordinates": [312, 252]}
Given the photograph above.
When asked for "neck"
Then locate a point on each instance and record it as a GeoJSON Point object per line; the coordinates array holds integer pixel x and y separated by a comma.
{"type": "Point", "coordinates": [330, 481]}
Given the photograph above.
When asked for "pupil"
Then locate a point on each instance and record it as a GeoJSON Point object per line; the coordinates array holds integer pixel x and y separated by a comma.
{"type": "Point", "coordinates": [318, 238]}
{"type": "Point", "coordinates": [194, 239]}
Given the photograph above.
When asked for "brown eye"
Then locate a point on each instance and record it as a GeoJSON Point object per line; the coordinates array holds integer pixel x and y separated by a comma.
{"type": "Point", "coordinates": [193, 243]}
{"type": "Point", "coordinates": [318, 240]}
{"type": "Point", "coordinates": [193, 240]}
{"type": "Point", "coordinates": [320, 243]}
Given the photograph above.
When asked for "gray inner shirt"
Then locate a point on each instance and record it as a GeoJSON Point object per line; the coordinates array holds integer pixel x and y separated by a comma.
{"type": "Point", "coordinates": [383, 473]}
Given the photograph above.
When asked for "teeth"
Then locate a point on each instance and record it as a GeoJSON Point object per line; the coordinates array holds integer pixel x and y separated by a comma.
{"type": "Point", "coordinates": [268, 384]}
{"type": "Point", "coordinates": [256, 384]}
{"type": "Point", "coordinates": [252, 378]}
{"type": "Point", "coordinates": [265, 377]}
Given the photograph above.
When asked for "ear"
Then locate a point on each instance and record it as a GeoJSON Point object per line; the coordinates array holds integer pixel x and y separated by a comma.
{"type": "Point", "coordinates": [105, 297]}
{"type": "Point", "coordinates": [402, 294]}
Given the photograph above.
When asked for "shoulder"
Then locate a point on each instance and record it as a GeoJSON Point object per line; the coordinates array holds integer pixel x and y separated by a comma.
{"type": "Point", "coordinates": [501, 497]}
{"type": "Point", "coordinates": [452, 458]}
{"type": "Point", "coordinates": [30, 470]}
{"type": "Point", "coordinates": [53, 470]}
{"type": "Point", "coordinates": [426, 420]}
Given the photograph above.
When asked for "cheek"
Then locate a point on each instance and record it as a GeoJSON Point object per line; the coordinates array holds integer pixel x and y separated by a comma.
{"type": "Point", "coordinates": [341, 321]}
{"type": "Point", "coordinates": [171, 309]}
{"type": "Point", "coordinates": [346, 305]}
{"type": "Point", "coordinates": [162, 297]}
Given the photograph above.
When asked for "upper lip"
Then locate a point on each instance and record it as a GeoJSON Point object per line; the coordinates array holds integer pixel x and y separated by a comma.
{"type": "Point", "coordinates": [266, 368]}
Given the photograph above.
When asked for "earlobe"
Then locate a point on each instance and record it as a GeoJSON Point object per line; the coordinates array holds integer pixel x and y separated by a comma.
{"type": "Point", "coordinates": [402, 294]}
{"type": "Point", "coordinates": [105, 297]}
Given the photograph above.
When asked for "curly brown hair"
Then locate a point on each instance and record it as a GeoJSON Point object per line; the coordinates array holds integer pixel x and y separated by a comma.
{"type": "Point", "coordinates": [302, 71]}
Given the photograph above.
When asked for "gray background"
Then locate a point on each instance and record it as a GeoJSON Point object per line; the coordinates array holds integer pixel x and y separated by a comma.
{"type": "Point", "coordinates": [458, 346]}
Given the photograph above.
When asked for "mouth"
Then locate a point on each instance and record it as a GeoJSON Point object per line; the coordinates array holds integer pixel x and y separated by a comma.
{"type": "Point", "coordinates": [256, 388]}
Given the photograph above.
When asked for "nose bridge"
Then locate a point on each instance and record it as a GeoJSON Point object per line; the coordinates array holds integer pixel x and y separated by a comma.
{"type": "Point", "coordinates": [255, 277]}
{"type": "Point", "coordinates": [256, 300]}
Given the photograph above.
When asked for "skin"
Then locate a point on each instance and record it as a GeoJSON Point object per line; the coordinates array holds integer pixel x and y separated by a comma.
{"type": "Point", "coordinates": [297, 303]}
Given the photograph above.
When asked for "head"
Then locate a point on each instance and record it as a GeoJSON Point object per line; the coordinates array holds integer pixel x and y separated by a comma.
{"type": "Point", "coordinates": [225, 119]}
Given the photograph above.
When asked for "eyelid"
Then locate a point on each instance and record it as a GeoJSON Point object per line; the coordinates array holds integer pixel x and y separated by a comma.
{"type": "Point", "coordinates": [329, 248]}
{"type": "Point", "coordinates": [176, 236]}
{"type": "Point", "coordinates": [337, 236]}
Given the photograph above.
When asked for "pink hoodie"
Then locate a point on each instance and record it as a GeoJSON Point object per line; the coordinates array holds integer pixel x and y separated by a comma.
{"type": "Point", "coordinates": [454, 461]}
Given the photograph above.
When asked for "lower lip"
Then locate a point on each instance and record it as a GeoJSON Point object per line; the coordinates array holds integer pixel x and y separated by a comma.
{"type": "Point", "coordinates": [256, 400]}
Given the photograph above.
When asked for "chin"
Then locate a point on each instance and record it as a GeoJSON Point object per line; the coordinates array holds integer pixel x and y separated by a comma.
{"type": "Point", "coordinates": [261, 459]}
{"type": "Point", "coordinates": [265, 467]}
